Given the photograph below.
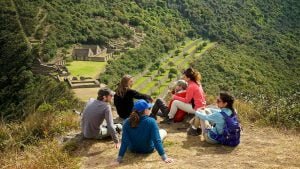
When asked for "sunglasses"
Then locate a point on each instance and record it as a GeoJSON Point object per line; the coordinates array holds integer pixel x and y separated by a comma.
{"type": "Point", "coordinates": [219, 100]}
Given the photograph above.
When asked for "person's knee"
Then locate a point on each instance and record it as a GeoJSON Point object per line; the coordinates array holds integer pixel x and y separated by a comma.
{"type": "Point", "coordinates": [163, 134]}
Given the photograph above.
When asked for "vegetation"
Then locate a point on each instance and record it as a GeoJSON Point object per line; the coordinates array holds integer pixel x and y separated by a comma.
{"type": "Point", "coordinates": [86, 68]}
{"type": "Point", "coordinates": [257, 55]}
{"type": "Point", "coordinates": [163, 27]}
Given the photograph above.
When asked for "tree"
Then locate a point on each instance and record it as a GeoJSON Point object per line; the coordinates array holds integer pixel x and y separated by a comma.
{"type": "Point", "coordinates": [161, 70]}
{"type": "Point", "coordinates": [173, 71]}
{"type": "Point", "coordinates": [171, 76]}
{"type": "Point", "coordinates": [171, 64]}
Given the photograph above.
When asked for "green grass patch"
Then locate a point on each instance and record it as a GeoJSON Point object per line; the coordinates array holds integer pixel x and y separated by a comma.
{"type": "Point", "coordinates": [140, 81]}
{"type": "Point", "coordinates": [86, 68]}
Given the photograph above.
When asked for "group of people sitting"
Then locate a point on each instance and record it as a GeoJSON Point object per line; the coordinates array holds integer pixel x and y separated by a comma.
{"type": "Point", "coordinates": [139, 128]}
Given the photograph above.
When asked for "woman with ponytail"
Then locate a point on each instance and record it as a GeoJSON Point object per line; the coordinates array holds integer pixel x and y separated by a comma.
{"type": "Point", "coordinates": [225, 104]}
{"type": "Point", "coordinates": [124, 96]}
{"type": "Point", "coordinates": [141, 133]}
{"type": "Point", "coordinates": [194, 99]}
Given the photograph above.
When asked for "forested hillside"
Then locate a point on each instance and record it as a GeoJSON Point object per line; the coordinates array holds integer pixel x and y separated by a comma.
{"type": "Point", "coordinates": [61, 23]}
{"type": "Point", "coordinates": [258, 56]}
{"type": "Point", "coordinates": [252, 49]}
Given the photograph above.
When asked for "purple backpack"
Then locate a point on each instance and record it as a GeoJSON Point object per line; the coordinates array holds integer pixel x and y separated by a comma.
{"type": "Point", "coordinates": [231, 131]}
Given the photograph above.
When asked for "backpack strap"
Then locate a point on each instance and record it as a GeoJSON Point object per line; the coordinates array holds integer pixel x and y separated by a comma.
{"type": "Point", "coordinates": [224, 114]}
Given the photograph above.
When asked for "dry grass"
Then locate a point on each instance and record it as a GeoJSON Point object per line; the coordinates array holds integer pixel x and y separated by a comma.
{"type": "Point", "coordinates": [85, 93]}
{"type": "Point", "coordinates": [47, 155]}
{"type": "Point", "coordinates": [259, 148]}
{"type": "Point", "coordinates": [31, 144]}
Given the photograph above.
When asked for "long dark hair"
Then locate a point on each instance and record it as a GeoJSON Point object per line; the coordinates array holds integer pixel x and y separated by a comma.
{"type": "Point", "coordinates": [123, 85]}
{"type": "Point", "coordinates": [193, 74]}
{"type": "Point", "coordinates": [134, 118]}
{"type": "Point", "coordinates": [229, 99]}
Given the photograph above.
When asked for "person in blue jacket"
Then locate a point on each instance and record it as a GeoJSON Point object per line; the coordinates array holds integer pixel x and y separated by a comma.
{"type": "Point", "coordinates": [141, 133]}
{"type": "Point", "coordinates": [210, 116]}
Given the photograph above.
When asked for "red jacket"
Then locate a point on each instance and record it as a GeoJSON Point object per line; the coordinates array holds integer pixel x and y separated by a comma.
{"type": "Point", "coordinates": [193, 91]}
{"type": "Point", "coordinates": [180, 114]}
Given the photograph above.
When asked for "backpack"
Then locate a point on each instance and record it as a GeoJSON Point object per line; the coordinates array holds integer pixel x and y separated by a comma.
{"type": "Point", "coordinates": [231, 131]}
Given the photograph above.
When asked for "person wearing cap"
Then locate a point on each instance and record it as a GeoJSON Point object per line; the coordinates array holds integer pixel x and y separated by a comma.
{"type": "Point", "coordinates": [92, 121]}
{"type": "Point", "coordinates": [125, 96]}
{"type": "Point", "coordinates": [141, 133]}
{"type": "Point", "coordinates": [160, 105]}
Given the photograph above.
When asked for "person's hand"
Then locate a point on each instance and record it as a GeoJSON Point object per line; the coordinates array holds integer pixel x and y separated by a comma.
{"type": "Point", "coordinates": [151, 100]}
{"type": "Point", "coordinates": [117, 145]}
{"type": "Point", "coordinates": [168, 160]}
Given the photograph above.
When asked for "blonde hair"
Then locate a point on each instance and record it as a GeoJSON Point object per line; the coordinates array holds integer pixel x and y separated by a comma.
{"type": "Point", "coordinates": [123, 85]}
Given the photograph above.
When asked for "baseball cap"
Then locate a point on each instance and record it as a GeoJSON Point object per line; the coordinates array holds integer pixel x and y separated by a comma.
{"type": "Point", "coordinates": [141, 105]}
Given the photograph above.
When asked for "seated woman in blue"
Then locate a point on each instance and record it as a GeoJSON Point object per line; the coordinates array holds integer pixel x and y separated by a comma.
{"type": "Point", "coordinates": [225, 104]}
{"type": "Point", "coordinates": [141, 133]}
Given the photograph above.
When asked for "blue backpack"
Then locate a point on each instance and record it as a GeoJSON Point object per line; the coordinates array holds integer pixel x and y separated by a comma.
{"type": "Point", "coordinates": [231, 131]}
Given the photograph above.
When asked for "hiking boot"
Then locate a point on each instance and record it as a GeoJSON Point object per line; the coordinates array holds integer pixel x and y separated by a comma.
{"type": "Point", "coordinates": [193, 132]}
{"type": "Point", "coordinates": [167, 121]}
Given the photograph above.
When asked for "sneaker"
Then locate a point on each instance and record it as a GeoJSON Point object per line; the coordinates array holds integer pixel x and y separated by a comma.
{"type": "Point", "coordinates": [193, 132]}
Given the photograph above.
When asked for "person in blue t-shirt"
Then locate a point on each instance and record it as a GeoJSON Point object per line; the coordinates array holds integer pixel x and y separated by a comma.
{"type": "Point", "coordinates": [210, 116]}
{"type": "Point", "coordinates": [141, 133]}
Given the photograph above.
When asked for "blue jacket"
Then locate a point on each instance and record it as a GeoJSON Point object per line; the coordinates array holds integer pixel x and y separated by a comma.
{"type": "Point", "coordinates": [216, 117]}
{"type": "Point", "coordinates": [141, 139]}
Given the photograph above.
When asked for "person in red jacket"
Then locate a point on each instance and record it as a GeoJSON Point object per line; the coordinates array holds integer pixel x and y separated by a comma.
{"type": "Point", "coordinates": [161, 106]}
{"type": "Point", "coordinates": [195, 94]}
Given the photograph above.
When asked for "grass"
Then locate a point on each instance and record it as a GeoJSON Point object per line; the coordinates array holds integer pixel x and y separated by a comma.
{"type": "Point", "coordinates": [257, 150]}
{"type": "Point", "coordinates": [84, 94]}
{"type": "Point", "coordinates": [178, 60]}
{"type": "Point", "coordinates": [33, 143]}
{"type": "Point", "coordinates": [86, 68]}
{"type": "Point", "coordinates": [140, 81]}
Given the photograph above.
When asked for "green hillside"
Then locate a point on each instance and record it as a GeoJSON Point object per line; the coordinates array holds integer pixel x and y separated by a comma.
{"type": "Point", "coordinates": [258, 53]}
{"type": "Point", "coordinates": [252, 48]}
{"type": "Point", "coordinates": [36, 29]}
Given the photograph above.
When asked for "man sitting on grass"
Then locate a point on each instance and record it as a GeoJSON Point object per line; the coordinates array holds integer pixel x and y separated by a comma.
{"type": "Point", "coordinates": [92, 122]}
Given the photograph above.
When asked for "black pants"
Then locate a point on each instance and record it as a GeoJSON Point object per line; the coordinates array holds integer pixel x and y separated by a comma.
{"type": "Point", "coordinates": [160, 105]}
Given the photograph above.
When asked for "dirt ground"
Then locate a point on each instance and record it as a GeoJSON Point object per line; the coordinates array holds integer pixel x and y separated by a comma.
{"type": "Point", "coordinates": [259, 148]}
{"type": "Point", "coordinates": [85, 93]}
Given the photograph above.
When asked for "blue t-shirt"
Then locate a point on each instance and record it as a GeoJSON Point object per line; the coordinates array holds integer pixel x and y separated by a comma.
{"type": "Point", "coordinates": [141, 139]}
